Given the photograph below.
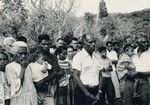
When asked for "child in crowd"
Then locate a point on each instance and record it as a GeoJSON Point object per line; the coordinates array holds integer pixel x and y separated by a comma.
{"type": "Point", "coordinates": [64, 93]}
{"type": "Point", "coordinates": [40, 69]}
{"type": "Point", "coordinates": [124, 67]}
{"type": "Point", "coordinates": [52, 49]}
{"type": "Point", "coordinates": [105, 86]}
{"type": "Point", "coordinates": [70, 53]}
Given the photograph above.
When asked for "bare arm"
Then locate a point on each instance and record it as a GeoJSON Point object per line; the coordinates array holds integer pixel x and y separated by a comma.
{"type": "Point", "coordinates": [76, 77]}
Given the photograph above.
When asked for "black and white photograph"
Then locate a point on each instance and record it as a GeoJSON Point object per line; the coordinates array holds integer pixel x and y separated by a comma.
{"type": "Point", "coordinates": [74, 52]}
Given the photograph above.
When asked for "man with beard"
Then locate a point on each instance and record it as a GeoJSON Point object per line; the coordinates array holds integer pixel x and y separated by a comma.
{"type": "Point", "coordinates": [86, 71]}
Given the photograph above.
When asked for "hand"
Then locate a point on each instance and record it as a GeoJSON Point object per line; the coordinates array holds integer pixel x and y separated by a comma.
{"type": "Point", "coordinates": [44, 70]}
{"type": "Point", "coordinates": [23, 64]}
{"type": "Point", "coordinates": [109, 69]}
{"type": "Point", "coordinates": [90, 95]}
{"type": "Point", "coordinates": [97, 96]}
{"type": "Point", "coordinates": [129, 77]}
{"type": "Point", "coordinates": [133, 74]}
{"type": "Point", "coordinates": [103, 70]}
{"type": "Point", "coordinates": [114, 62]}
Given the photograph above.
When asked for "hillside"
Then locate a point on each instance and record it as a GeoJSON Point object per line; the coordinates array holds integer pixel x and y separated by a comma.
{"type": "Point", "coordinates": [139, 19]}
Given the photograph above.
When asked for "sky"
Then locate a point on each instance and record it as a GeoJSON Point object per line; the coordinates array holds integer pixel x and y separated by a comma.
{"type": "Point", "coordinates": [113, 6]}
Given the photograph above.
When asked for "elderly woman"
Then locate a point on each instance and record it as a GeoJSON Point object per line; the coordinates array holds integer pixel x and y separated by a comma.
{"type": "Point", "coordinates": [7, 43]}
{"type": "Point", "coordinates": [15, 75]}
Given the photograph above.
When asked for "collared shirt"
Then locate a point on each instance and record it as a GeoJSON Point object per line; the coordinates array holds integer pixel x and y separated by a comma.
{"type": "Point", "coordinates": [112, 55]}
{"type": "Point", "coordinates": [121, 68]}
{"type": "Point", "coordinates": [143, 63]}
{"type": "Point", "coordinates": [89, 67]}
{"type": "Point", "coordinates": [105, 63]}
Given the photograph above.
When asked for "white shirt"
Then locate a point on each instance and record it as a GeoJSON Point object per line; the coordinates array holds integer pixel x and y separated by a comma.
{"type": "Point", "coordinates": [143, 63]}
{"type": "Point", "coordinates": [112, 55]}
{"type": "Point", "coordinates": [105, 63]}
{"type": "Point", "coordinates": [36, 70]}
{"type": "Point", "coordinates": [88, 66]}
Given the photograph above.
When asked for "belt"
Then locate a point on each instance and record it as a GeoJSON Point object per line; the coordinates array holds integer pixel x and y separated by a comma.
{"type": "Point", "coordinates": [88, 86]}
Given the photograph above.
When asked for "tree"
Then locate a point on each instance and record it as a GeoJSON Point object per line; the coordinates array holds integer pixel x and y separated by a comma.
{"type": "Point", "coordinates": [102, 9]}
{"type": "Point", "coordinates": [87, 25]}
{"type": "Point", "coordinates": [14, 17]}
{"type": "Point", "coordinates": [57, 15]}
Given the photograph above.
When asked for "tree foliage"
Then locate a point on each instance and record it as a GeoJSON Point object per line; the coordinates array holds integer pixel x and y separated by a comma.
{"type": "Point", "coordinates": [55, 18]}
{"type": "Point", "coordinates": [102, 9]}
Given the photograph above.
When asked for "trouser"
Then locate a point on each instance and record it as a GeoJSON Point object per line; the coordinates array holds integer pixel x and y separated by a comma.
{"type": "Point", "coordinates": [7, 102]}
{"type": "Point", "coordinates": [107, 91]}
{"type": "Point", "coordinates": [81, 99]}
{"type": "Point", "coordinates": [128, 92]}
{"type": "Point", "coordinates": [114, 78]}
{"type": "Point", "coordinates": [43, 99]}
{"type": "Point", "coordinates": [143, 91]}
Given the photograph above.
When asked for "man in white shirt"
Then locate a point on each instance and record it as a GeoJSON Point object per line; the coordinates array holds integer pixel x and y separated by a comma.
{"type": "Point", "coordinates": [111, 54]}
{"type": "Point", "coordinates": [143, 72]}
{"type": "Point", "coordinates": [86, 69]}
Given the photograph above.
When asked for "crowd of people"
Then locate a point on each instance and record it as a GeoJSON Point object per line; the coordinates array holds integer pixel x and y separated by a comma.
{"type": "Point", "coordinates": [75, 73]}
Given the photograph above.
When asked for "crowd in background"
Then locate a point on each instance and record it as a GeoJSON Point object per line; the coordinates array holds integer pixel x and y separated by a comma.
{"type": "Point", "coordinates": [75, 73]}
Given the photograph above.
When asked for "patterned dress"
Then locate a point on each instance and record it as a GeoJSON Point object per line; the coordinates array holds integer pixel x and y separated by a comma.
{"type": "Point", "coordinates": [65, 89]}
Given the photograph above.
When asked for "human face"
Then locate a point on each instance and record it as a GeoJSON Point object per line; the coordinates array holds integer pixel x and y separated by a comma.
{"type": "Point", "coordinates": [45, 44]}
{"type": "Point", "coordinates": [75, 44]}
{"type": "Point", "coordinates": [145, 44]}
{"type": "Point", "coordinates": [63, 55]}
{"type": "Point", "coordinates": [90, 43]}
{"type": "Point", "coordinates": [60, 43]}
{"type": "Point", "coordinates": [130, 52]}
{"type": "Point", "coordinates": [103, 54]}
{"type": "Point", "coordinates": [22, 54]}
{"type": "Point", "coordinates": [3, 61]}
{"type": "Point", "coordinates": [70, 53]}
{"type": "Point", "coordinates": [109, 47]}
{"type": "Point", "coordinates": [8, 47]}
{"type": "Point", "coordinates": [40, 59]}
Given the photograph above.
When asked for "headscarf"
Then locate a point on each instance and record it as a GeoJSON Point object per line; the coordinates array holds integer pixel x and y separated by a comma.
{"type": "Point", "coordinates": [16, 46]}
{"type": "Point", "coordinates": [8, 41]}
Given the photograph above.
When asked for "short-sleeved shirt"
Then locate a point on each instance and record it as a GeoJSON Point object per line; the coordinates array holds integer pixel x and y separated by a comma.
{"type": "Point", "coordinates": [112, 55]}
{"type": "Point", "coordinates": [89, 67]}
{"type": "Point", "coordinates": [105, 63]}
{"type": "Point", "coordinates": [121, 68]}
{"type": "Point", "coordinates": [37, 73]}
{"type": "Point", "coordinates": [143, 64]}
